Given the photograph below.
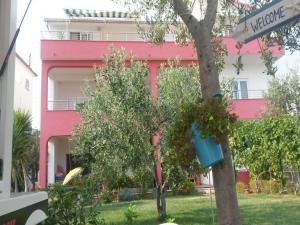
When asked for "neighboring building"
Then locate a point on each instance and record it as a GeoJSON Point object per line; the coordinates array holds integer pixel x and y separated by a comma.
{"type": "Point", "coordinates": [24, 76]}
{"type": "Point", "coordinates": [72, 46]}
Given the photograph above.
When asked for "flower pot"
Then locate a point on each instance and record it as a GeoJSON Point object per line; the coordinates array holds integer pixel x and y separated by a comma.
{"type": "Point", "coordinates": [208, 152]}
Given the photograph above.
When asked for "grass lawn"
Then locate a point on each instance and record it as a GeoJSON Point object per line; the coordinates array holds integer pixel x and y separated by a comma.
{"type": "Point", "coordinates": [255, 209]}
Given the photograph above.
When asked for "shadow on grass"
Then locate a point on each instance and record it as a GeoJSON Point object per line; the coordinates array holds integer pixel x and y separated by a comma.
{"type": "Point", "coordinates": [254, 209]}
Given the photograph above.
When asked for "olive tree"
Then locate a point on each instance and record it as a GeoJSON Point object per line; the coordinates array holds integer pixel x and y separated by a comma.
{"type": "Point", "coordinates": [205, 30]}
{"type": "Point", "coordinates": [283, 95]}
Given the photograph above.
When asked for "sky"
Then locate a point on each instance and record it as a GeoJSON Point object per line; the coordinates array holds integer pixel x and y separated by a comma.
{"type": "Point", "coordinates": [29, 38]}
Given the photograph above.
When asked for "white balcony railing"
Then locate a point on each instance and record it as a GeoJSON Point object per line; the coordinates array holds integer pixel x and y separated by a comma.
{"type": "Point", "coordinates": [65, 104]}
{"type": "Point", "coordinates": [71, 103]}
{"type": "Point", "coordinates": [250, 94]}
{"type": "Point", "coordinates": [97, 36]}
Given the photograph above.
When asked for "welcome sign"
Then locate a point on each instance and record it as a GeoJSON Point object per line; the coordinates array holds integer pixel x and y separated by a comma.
{"type": "Point", "coordinates": [270, 17]}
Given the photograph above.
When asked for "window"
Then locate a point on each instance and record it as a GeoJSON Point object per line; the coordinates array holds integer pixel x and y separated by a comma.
{"type": "Point", "coordinates": [27, 85]}
{"type": "Point", "coordinates": [240, 89]}
{"type": "Point", "coordinates": [81, 36]}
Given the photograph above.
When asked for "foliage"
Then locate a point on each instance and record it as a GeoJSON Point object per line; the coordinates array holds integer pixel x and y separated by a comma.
{"type": "Point", "coordinates": [268, 145]}
{"type": "Point", "coordinates": [131, 213]}
{"type": "Point", "coordinates": [211, 117]}
{"type": "Point", "coordinates": [175, 177]}
{"type": "Point", "coordinates": [179, 87]}
{"type": "Point", "coordinates": [22, 145]}
{"type": "Point", "coordinates": [33, 168]}
{"type": "Point", "coordinates": [107, 196]}
{"type": "Point", "coordinates": [240, 187]}
{"type": "Point", "coordinates": [73, 205]}
{"type": "Point", "coordinates": [164, 16]}
{"type": "Point", "coordinates": [170, 219]}
{"type": "Point", "coordinates": [283, 95]}
{"type": "Point", "coordinates": [187, 187]}
{"type": "Point", "coordinates": [118, 120]}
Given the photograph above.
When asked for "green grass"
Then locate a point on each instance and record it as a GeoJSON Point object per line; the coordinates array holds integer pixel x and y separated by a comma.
{"type": "Point", "coordinates": [255, 209]}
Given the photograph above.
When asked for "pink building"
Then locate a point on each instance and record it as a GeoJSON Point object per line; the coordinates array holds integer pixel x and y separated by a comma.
{"type": "Point", "coordinates": [73, 45]}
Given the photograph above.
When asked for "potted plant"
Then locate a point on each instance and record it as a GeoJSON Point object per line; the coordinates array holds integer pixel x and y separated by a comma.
{"type": "Point", "coordinates": [199, 127]}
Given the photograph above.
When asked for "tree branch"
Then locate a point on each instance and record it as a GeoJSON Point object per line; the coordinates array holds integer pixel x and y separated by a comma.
{"type": "Point", "coordinates": [211, 13]}
{"type": "Point", "coordinates": [181, 8]}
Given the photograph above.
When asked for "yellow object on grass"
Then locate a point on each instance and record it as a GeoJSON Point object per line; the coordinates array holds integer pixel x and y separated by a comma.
{"type": "Point", "coordinates": [72, 174]}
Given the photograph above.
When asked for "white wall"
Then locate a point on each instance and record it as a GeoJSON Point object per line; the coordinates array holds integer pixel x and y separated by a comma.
{"type": "Point", "coordinates": [51, 161]}
{"type": "Point", "coordinates": [253, 73]}
{"type": "Point", "coordinates": [58, 148]}
{"type": "Point", "coordinates": [70, 89]}
{"type": "Point", "coordinates": [62, 148]}
{"type": "Point", "coordinates": [22, 96]}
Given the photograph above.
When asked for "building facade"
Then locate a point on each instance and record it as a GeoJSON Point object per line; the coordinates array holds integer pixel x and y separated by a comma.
{"type": "Point", "coordinates": [24, 76]}
{"type": "Point", "coordinates": [72, 46]}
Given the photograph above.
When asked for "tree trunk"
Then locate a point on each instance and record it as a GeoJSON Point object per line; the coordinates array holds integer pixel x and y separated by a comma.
{"type": "Point", "coordinates": [223, 177]}
{"type": "Point", "coordinates": [201, 31]}
{"type": "Point", "coordinates": [25, 179]}
{"type": "Point", "coordinates": [16, 185]}
{"type": "Point", "coordinates": [160, 187]}
{"type": "Point", "coordinates": [160, 193]}
{"type": "Point", "coordinates": [161, 202]}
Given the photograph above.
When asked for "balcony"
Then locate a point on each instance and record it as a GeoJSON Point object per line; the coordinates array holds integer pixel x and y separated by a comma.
{"type": "Point", "coordinates": [249, 94]}
{"type": "Point", "coordinates": [65, 104]}
{"type": "Point", "coordinates": [98, 36]}
{"type": "Point", "coordinates": [72, 102]}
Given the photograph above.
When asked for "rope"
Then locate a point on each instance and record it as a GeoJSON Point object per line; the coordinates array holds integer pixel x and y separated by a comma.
{"type": "Point", "coordinates": [211, 200]}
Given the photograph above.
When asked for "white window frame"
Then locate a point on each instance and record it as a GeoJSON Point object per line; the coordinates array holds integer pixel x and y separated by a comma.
{"type": "Point", "coordinates": [239, 93]}
{"type": "Point", "coordinates": [81, 36]}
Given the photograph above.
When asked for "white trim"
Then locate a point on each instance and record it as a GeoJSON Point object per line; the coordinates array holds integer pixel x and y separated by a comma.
{"type": "Point", "coordinates": [21, 201]}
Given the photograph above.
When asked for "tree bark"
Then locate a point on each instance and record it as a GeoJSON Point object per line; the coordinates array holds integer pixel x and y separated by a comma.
{"type": "Point", "coordinates": [160, 187]}
{"type": "Point", "coordinates": [223, 177]}
{"type": "Point", "coordinates": [25, 179]}
{"type": "Point", "coordinates": [161, 202]}
{"type": "Point", "coordinates": [160, 195]}
{"type": "Point", "coordinates": [16, 185]}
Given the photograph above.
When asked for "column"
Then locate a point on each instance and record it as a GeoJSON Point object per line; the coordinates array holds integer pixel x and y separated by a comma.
{"type": "Point", "coordinates": [44, 137]}
{"type": "Point", "coordinates": [51, 162]}
{"type": "Point", "coordinates": [7, 29]}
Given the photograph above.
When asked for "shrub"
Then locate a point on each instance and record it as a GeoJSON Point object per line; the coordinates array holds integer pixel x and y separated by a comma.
{"type": "Point", "coordinates": [107, 196]}
{"type": "Point", "coordinates": [131, 213]}
{"type": "Point", "coordinates": [269, 186]}
{"type": "Point", "coordinates": [73, 205]}
{"type": "Point", "coordinates": [187, 187]}
{"type": "Point", "coordinates": [240, 187]}
{"type": "Point", "coordinates": [291, 188]}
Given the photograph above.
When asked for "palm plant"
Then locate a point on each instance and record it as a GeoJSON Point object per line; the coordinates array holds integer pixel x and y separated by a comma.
{"type": "Point", "coordinates": [21, 148]}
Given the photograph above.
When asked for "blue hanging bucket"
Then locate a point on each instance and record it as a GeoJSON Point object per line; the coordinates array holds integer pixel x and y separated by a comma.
{"type": "Point", "coordinates": [208, 152]}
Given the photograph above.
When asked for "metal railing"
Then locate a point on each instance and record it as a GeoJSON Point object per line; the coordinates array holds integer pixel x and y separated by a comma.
{"type": "Point", "coordinates": [65, 104]}
{"type": "Point", "coordinates": [105, 36]}
{"type": "Point", "coordinates": [250, 94]}
{"type": "Point", "coordinates": [71, 103]}
{"type": "Point", "coordinates": [97, 36]}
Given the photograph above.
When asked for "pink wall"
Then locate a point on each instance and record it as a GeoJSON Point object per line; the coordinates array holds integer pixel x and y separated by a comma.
{"type": "Point", "coordinates": [248, 108]}
{"type": "Point", "coordinates": [94, 50]}
{"type": "Point", "coordinates": [88, 53]}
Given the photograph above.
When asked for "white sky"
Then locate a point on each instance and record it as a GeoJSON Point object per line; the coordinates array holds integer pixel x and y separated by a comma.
{"type": "Point", "coordinates": [29, 37]}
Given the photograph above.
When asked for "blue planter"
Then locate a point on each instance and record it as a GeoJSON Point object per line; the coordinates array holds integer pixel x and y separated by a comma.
{"type": "Point", "coordinates": [208, 152]}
